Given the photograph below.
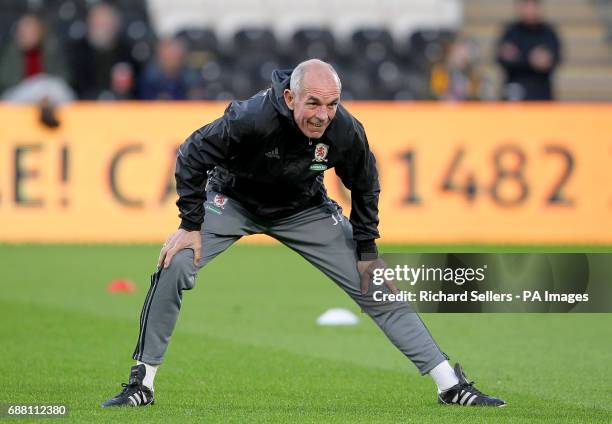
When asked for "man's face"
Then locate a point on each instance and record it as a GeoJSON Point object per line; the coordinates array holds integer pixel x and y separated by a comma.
{"type": "Point", "coordinates": [170, 55]}
{"type": "Point", "coordinates": [29, 33]}
{"type": "Point", "coordinates": [529, 11]}
{"type": "Point", "coordinates": [103, 26]}
{"type": "Point", "coordinates": [315, 105]}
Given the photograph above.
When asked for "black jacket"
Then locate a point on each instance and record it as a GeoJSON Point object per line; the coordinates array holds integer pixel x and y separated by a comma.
{"type": "Point", "coordinates": [536, 84]}
{"type": "Point", "coordinates": [255, 153]}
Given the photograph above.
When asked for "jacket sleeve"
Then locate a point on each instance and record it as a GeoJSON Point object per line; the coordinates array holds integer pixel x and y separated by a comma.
{"type": "Point", "coordinates": [359, 174]}
{"type": "Point", "coordinates": [207, 147]}
{"type": "Point", "coordinates": [554, 44]}
{"type": "Point", "coordinates": [521, 62]}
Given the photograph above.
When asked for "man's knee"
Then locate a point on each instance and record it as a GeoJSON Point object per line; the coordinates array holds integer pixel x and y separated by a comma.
{"type": "Point", "coordinates": [182, 269]}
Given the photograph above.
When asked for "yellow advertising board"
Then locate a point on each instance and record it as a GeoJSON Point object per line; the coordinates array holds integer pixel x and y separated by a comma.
{"type": "Point", "coordinates": [450, 173]}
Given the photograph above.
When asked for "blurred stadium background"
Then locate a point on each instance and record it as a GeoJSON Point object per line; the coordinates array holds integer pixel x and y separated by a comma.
{"type": "Point", "coordinates": [383, 50]}
{"type": "Point", "coordinates": [86, 198]}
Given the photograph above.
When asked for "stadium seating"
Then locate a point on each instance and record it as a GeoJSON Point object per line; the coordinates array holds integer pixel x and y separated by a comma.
{"type": "Point", "coordinates": [384, 50]}
{"type": "Point", "coordinates": [369, 42]}
{"type": "Point", "coordinates": [235, 45]}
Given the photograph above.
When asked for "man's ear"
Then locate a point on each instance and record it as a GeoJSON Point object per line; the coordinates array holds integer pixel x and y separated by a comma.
{"type": "Point", "coordinates": [289, 98]}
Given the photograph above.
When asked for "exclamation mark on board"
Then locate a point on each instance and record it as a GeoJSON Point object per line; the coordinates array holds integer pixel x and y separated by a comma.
{"type": "Point", "coordinates": [64, 174]}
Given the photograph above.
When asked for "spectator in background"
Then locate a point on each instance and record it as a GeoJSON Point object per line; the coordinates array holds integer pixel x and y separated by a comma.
{"type": "Point", "coordinates": [168, 77]}
{"type": "Point", "coordinates": [529, 52]}
{"type": "Point", "coordinates": [34, 55]}
{"type": "Point", "coordinates": [122, 85]}
{"type": "Point", "coordinates": [94, 57]}
{"type": "Point", "coordinates": [456, 78]}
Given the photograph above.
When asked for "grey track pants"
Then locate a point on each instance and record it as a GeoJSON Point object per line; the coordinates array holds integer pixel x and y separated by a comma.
{"type": "Point", "coordinates": [321, 235]}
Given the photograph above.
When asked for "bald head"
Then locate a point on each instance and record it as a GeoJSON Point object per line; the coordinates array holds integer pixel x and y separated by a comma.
{"type": "Point", "coordinates": [313, 96]}
{"type": "Point", "coordinates": [313, 69]}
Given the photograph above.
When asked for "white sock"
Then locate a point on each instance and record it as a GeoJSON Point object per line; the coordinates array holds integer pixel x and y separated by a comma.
{"type": "Point", "coordinates": [444, 376]}
{"type": "Point", "coordinates": [149, 374]}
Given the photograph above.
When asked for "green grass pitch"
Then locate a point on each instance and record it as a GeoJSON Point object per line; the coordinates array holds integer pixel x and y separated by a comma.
{"type": "Point", "coordinates": [246, 347]}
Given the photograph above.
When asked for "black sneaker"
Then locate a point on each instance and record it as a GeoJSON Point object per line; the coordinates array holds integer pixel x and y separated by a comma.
{"type": "Point", "coordinates": [133, 393]}
{"type": "Point", "coordinates": [465, 394]}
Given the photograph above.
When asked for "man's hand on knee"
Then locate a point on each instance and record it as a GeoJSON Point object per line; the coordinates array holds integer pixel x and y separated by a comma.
{"type": "Point", "coordinates": [179, 240]}
{"type": "Point", "coordinates": [366, 272]}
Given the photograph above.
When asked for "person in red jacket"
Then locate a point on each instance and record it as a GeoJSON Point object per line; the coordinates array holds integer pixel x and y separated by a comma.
{"type": "Point", "coordinates": [33, 52]}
